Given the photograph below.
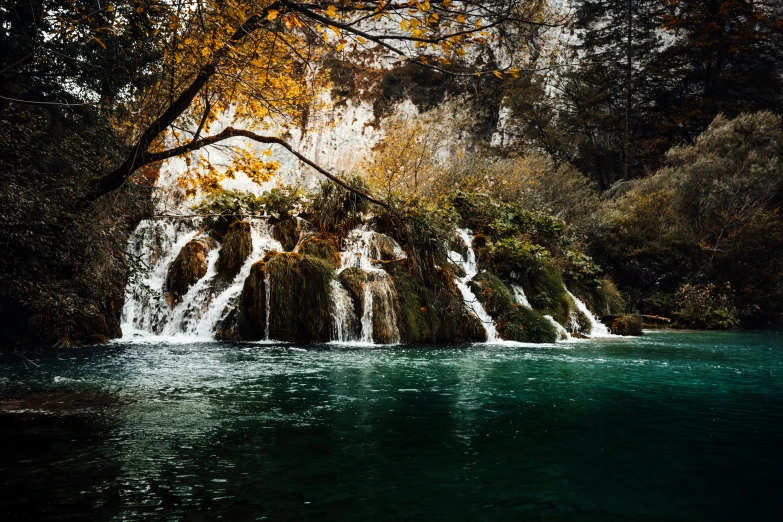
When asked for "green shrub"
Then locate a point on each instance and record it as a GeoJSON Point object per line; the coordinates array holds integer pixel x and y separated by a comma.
{"type": "Point", "coordinates": [706, 307]}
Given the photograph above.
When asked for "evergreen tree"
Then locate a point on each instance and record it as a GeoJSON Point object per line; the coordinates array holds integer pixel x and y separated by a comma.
{"type": "Point", "coordinates": [608, 97]}
{"type": "Point", "coordinates": [727, 58]}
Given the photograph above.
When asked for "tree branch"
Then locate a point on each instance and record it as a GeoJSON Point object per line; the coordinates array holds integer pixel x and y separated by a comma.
{"type": "Point", "coordinates": [138, 154]}
{"type": "Point", "coordinates": [231, 132]}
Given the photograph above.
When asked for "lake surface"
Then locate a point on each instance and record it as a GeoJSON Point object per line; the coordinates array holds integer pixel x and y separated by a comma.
{"type": "Point", "coordinates": [671, 426]}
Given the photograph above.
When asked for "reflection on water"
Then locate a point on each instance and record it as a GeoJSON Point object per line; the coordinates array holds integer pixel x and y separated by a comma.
{"type": "Point", "coordinates": [674, 426]}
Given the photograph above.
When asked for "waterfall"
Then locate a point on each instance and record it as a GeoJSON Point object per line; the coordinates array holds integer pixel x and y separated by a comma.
{"type": "Point", "coordinates": [154, 244]}
{"type": "Point", "coordinates": [224, 302]}
{"type": "Point", "coordinates": [267, 302]}
{"type": "Point", "coordinates": [562, 333]}
{"type": "Point", "coordinates": [364, 248]}
{"type": "Point", "coordinates": [343, 316]}
{"type": "Point", "coordinates": [195, 302]}
{"type": "Point", "coordinates": [367, 315]}
{"type": "Point", "coordinates": [468, 264]}
{"type": "Point", "coordinates": [597, 328]}
{"type": "Point", "coordinates": [205, 304]}
{"type": "Point", "coordinates": [521, 298]}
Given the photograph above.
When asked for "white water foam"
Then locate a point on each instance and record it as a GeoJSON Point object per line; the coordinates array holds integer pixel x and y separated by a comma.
{"type": "Point", "coordinates": [468, 264]}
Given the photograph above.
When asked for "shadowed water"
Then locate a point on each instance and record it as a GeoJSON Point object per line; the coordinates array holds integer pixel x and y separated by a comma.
{"type": "Point", "coordinates": [673, 426]}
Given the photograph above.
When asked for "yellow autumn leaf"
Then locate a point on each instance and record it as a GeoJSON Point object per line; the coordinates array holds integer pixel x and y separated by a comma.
{"type": "Point", "coordinates": [272, 14]}
{"type": "Point", "coordinates": [110, 9]}
{"type": "Point", "coordinates": [331, 11]}
{"type": "Point", "coordinates": [498, 74]}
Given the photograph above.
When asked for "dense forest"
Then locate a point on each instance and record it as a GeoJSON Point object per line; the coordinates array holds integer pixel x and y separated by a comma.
{"type": "Point", "coordinates": [640, 158]}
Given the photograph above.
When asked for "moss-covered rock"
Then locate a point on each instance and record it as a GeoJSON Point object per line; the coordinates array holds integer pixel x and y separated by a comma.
{"type": "Point", "coordinates": [323, 247]}
{"type": "Point", "coordinates": [189, 266]}
{"type": "Point", "coordinates": [353, 280]}
{"type": "Point", "coordinates": [248, 321]}
{"type": "Point", "coordinates": [237, 245]}
{"type": "Point", "coordinates": [299, 300]}
{"type": "Point", "coordinates": [385, 301]}
{"type": "Point", "coordinates": [217, 226]}
{"type": "Point", "coordinates": [627, 325]}
{"type": "Point", "coordinates": [287, 232]}
{"type": "Point", "coordinates": [513, 321]}
{"type": "Point", "coordinates": [434, 313]}
{"type": "Point", "coordinates": [547, 293]}
{"type": "Point", "coordinates": [300, 297]}
{"type": "Point", "coordinates": [384, 248]}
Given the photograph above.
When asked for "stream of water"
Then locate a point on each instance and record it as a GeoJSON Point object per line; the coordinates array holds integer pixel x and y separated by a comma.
{"type": "Point", "coordinates": [670, 426]}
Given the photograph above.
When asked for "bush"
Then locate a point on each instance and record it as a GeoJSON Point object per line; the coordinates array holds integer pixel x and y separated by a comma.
{"type": "Point", "coordinates": [711, 215]}
{"type": "Point", "coordinates": [63, 267]}
{"type": "Point", "coordinates": [334, 209]}
{"type": "Point", "coordinates": [706, 307]}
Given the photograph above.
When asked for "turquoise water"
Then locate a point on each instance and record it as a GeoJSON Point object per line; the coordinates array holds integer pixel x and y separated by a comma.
{"type": "Point", "coordinates": [672, 426]}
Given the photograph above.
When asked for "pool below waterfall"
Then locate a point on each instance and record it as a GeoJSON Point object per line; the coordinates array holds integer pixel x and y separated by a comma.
{"type": "Point", "coordinates": [670, 426]}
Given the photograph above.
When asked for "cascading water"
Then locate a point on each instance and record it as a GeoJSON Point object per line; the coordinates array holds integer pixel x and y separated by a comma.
{"type": "Point", "coordinates": [521, 298]}
{"type": "Point", "coordinates": [267, 302]}
{"type": "Point", "coordinates": [343, 316]}
{"type": "Point", "coordinates": [205, 304]}
{"type": "Point", "coordinates": [154, 244]}
{"type": "Point", "coordinates": [365, 249]}
{"type": "Point", "coordinates": [226, 300]}
{"type": "Point", "coordinates": [597, 328]}
{"type": "Point", "coordinates": [468, 264]}
{"type": "Point", "coordinates": [367, 315]}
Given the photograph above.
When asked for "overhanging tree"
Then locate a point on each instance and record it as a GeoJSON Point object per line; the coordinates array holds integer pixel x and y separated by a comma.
{"type": "Point", "coordinates": [255, 65]}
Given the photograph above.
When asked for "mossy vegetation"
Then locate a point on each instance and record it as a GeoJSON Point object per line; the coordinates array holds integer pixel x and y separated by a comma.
{"type": "Point", "coordinates": [286, 231]}
{"type": "Point", "coordinates": [513, 321]}
{"type": "Point", "coordinates": [300, 299]}
{"type": "Point", "coordinates": [627, 325]}
{"type": "Point", "coordinates": [236, 246]}
{"type": "Point", "coordinates": [323, 247]}
{"type": "Point", "coordinates": [434, 314]}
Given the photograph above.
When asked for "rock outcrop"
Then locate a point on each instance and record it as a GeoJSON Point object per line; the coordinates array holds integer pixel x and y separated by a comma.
{"type": "Point", "coordinates": [189, 266]}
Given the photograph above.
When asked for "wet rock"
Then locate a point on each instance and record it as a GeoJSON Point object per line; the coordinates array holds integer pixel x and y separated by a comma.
{"type": "Point", "coordinates": [217, 226]}
{"type": "Point", "coordinates": [237, 245]}
{"type": "Point", "coordinates": [287, 232]}
{"type": "Point", "coordinates": [322, 247]}
{"type": "Point", "coordinates": [385, 302]}
{"type": "Point", "coordinates": [189, 266]}
{"type": "Point", "coordinates": [299, 300]}
{"type": "Point", "coordinates": [627, 325]}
